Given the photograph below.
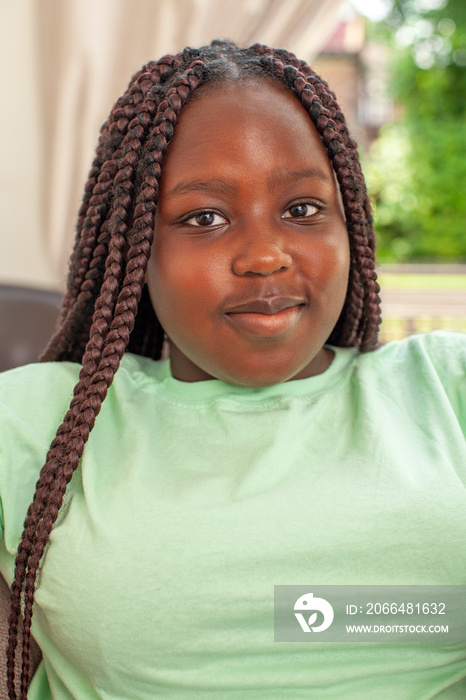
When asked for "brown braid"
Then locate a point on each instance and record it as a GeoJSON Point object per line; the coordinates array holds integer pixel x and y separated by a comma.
{"type": "Point", "coordinates": [107, 310]}
{"type": "Point", "coordinates": [87, 255]}
{"type": "Point", "coordinates": [360, 318]}
{"type": "Point", "coordinates": [111, 326]}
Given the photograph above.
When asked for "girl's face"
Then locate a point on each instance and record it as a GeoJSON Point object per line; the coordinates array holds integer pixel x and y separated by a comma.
{"type": "Point", "coordinates": [250, 261]}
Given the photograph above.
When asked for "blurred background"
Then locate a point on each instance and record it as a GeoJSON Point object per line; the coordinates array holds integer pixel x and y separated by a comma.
{"type": "Point", "coordinates": [398, 68]}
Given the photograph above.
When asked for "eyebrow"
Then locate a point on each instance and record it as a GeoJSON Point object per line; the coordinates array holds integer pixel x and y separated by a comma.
{"type": "Point", "coordinates": [214, 184]}
{"type": "Point", "coordinates": [284, 177]}
{"type": "Point", "coordinates": [219, 186]}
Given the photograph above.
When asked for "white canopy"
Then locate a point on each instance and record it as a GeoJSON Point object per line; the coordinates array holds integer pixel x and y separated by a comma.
{"type": "Point", "coordinates": [66, 61]}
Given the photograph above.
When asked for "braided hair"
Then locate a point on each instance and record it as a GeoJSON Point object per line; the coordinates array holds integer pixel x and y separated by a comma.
{"type": "Point", "coordinates": [107, 308]}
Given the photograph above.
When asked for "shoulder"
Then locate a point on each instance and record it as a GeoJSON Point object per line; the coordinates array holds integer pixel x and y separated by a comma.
{"type": "Point", "coordinates": [33, 402]}
{"type": "Point", "coordinates": [50, 385]}
{"type": "Point", "coordinates": [440, 352]}
{"type": "Point", "coordinates": [426, 371]}
{"type": "Point", "coordinates": [38, 390]}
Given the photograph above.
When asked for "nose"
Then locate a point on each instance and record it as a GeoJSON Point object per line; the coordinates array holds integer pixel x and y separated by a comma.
{"type": "Point", "coordinates": [261, 254]}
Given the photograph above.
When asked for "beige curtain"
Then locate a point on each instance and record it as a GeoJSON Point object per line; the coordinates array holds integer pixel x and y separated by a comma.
{"type": "Point", "coordinates": [86, 51]}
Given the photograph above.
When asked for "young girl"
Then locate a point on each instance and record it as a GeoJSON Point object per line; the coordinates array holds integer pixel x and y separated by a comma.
{"type": "Point", "coordinates": [226, 213]}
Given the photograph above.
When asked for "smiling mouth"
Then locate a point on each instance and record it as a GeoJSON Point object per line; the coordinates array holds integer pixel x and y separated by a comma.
{"type": "Point", "coordinates": [267, 317]}
{"type": "Point", "coordinates": [266, 305]}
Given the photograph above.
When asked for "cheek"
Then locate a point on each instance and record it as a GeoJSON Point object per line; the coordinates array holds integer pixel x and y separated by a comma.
{"type": "Point", "coordinates": [329, 264]}
{"type": "Point", "coordinates": [332, 285]}
{"type": "Point", "coordinates": [180, 287]}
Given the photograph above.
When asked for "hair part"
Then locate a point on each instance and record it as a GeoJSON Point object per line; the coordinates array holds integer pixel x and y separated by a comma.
{"type": "Point", "coordinates": [107, 310]}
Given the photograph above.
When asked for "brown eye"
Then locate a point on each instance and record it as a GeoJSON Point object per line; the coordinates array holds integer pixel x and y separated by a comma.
{"type": "Point", "coordinates": [300, 210]}
{"type": "Point", "coordinates": [206, 219]}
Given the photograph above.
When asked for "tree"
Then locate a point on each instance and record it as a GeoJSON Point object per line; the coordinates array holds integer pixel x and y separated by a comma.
{"type": "Point", "coordinates": [417, 167]}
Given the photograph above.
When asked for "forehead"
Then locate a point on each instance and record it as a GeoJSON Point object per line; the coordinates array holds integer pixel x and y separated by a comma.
{"type": "Point", "coordinates": [257, 120]}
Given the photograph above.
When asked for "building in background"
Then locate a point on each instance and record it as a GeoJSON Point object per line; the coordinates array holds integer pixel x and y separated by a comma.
{"type": "Point", "coordinates": [356, 69]}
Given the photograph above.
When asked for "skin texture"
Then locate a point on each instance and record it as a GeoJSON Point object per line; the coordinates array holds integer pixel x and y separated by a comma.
{"type": "Point", "coordinates": [250, 261]}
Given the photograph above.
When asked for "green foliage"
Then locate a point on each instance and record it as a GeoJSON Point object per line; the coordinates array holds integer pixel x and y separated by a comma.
{"type": "Point", "coordinates": [417, 181]}
{"type": "Point", "coordinates": [417, 167]}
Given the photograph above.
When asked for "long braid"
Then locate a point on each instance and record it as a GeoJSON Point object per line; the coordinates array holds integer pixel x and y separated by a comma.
{"type": "Point", "coordinates": [100, 362]}
{"type": "Point", "coordinates": [102, 317]}
{"type": "Point", "coordinates": [115, 129]}
{"type": "Point", "coordinates": [362, 307]}
{"type": "Point", "coordinates": [106, 296]}
{"type": "Point", "coordinates": [57, 458]}
{"type": "Point", "coordinates": [341, 148]}
{"type": "Point", "coordinates": [363, 291]}
{"type": "Point", "coordinates": [131, 115]}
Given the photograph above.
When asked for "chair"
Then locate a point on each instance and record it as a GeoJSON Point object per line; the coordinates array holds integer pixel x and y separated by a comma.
{"type": "Point", "coordinates": [27, 320]}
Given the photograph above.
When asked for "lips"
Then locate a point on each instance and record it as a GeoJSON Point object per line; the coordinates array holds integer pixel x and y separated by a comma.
{"type": "Point", "coordinates": [266, 305]}
{"type": "Point", "coordinates": [272, 318]}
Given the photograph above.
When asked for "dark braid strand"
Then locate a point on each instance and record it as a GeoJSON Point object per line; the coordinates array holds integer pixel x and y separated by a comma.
{"type": "Point", "coordinates": [100, 361]}
{"type": "Point", "coordinates": [126, 128]}
{"type": "Point", "coordinates": [320, 103]}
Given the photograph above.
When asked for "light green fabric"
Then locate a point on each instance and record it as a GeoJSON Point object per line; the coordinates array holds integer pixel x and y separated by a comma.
{"type": "Point", "coordinates": [194, 500]}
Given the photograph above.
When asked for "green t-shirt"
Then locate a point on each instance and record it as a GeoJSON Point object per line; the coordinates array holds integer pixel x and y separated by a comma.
{"type": "Point", "coordinates": [193, 500]}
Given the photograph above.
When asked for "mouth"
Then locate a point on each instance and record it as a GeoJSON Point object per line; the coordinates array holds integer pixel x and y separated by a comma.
{"type": "Point", "coordinates": [268, 306]}
{"type": "Point", "coordinates": [266, 317]}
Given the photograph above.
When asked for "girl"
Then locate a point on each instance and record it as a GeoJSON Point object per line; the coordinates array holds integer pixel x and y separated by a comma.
{"type": "Point", "coordinates": [277, 444]}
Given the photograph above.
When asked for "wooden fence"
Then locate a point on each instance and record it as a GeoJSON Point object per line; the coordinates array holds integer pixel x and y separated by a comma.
{"type": "Point", "coordinates": [416, 308]}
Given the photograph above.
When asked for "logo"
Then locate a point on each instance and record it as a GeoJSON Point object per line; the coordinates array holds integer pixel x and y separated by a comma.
{"type": "Point", "coordinates": [308, 603]}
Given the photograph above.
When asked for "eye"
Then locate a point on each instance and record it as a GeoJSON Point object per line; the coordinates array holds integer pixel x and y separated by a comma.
{"type": "Point", "coordinates": [301, 210]}
{"type": "Point", "coordinates": [205, 219]}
